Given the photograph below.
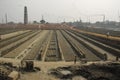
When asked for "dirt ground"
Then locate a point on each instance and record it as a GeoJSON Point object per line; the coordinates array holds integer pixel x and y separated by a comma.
{"type": "Point", "coordinates": [43, 73]}
{"type": "Point", "coordinates": [45, 67]}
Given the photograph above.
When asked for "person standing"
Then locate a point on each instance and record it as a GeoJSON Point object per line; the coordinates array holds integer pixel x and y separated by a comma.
{"type": "Point", "coordinates": [108, 34]}
{"type": "Point", "coordinates": [75, 60]}
{"type": "Point", "coordinates": [0, 37]}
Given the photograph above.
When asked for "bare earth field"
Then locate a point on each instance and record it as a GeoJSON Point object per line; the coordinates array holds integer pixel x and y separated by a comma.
{"type": "Point", "coordinates": [53, 50]}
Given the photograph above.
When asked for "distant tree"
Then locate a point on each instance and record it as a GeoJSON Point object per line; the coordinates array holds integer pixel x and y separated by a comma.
{"type": "Point", "coordinates": [20, 23]}
{"type": "Point", "coordinates": [97, 22]}
{"type": "Point", "coordinates": [35, 22]}
{"type": "Point", "coordinates": [11, 22]}
{"type": "Point", "coordinates": [42, 21]}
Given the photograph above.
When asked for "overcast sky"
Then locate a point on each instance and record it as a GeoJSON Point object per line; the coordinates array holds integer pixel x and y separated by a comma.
{"type": "Point", "coordinates": [59, 10]}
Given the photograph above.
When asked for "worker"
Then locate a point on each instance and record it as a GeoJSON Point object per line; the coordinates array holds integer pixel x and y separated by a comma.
{"type": "Point", "coordinates": [0, 37]}
{"type": "Point", "coordinates": [0, 53]}
{"type": "Point", "coordinates": [108, 34]}
{"type": "Point", "coordinates": [105, 56]}
{"type": "Point", "coordinates": [75, 60]}
{"type": "Point", "coordinates": [117, 58]}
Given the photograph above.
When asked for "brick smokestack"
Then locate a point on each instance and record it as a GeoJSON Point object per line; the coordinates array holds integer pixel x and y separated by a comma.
{"type": "Point", "coordinates": [25, 15]}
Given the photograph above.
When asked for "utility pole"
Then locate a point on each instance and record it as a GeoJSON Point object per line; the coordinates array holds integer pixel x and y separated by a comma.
{"type": "Point", "coordinates": [89, 20]}
{"type": "Point", "coordinates": [42, 21]}
{"type": "Point", "coordinates": [2, 21]}
{"type": "Point", "coordinates": [118, 18]}
{"type": "Point", "coordinates": [6, 18]}
{"type": "Point", "coordinates": [42, 17]}
{"type": "Point", "coordinates": [103, 18]}
{"type": "Point", "coordinates": [64, 20]}
{"type": "Point", "coordinates": [80, 20]}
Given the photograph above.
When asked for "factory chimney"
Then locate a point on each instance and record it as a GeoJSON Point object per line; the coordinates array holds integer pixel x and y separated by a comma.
{"type": "Point", "coordinates": [25, 15]}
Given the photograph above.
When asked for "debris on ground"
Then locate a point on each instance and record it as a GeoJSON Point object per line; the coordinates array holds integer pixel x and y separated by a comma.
{"type": "Point", "coordinates": [93, 71]}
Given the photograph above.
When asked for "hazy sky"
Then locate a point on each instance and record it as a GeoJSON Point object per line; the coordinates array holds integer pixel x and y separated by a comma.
{"type": "Point", "coordinates": [59, 10]}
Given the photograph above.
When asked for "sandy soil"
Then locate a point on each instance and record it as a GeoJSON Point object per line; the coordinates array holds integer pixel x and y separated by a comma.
{"type": "Point", "coordinates": [44, 66]}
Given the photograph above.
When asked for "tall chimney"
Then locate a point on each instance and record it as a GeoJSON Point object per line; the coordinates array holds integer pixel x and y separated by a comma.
{"type": "Point", "coordinates": [25, 15]}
